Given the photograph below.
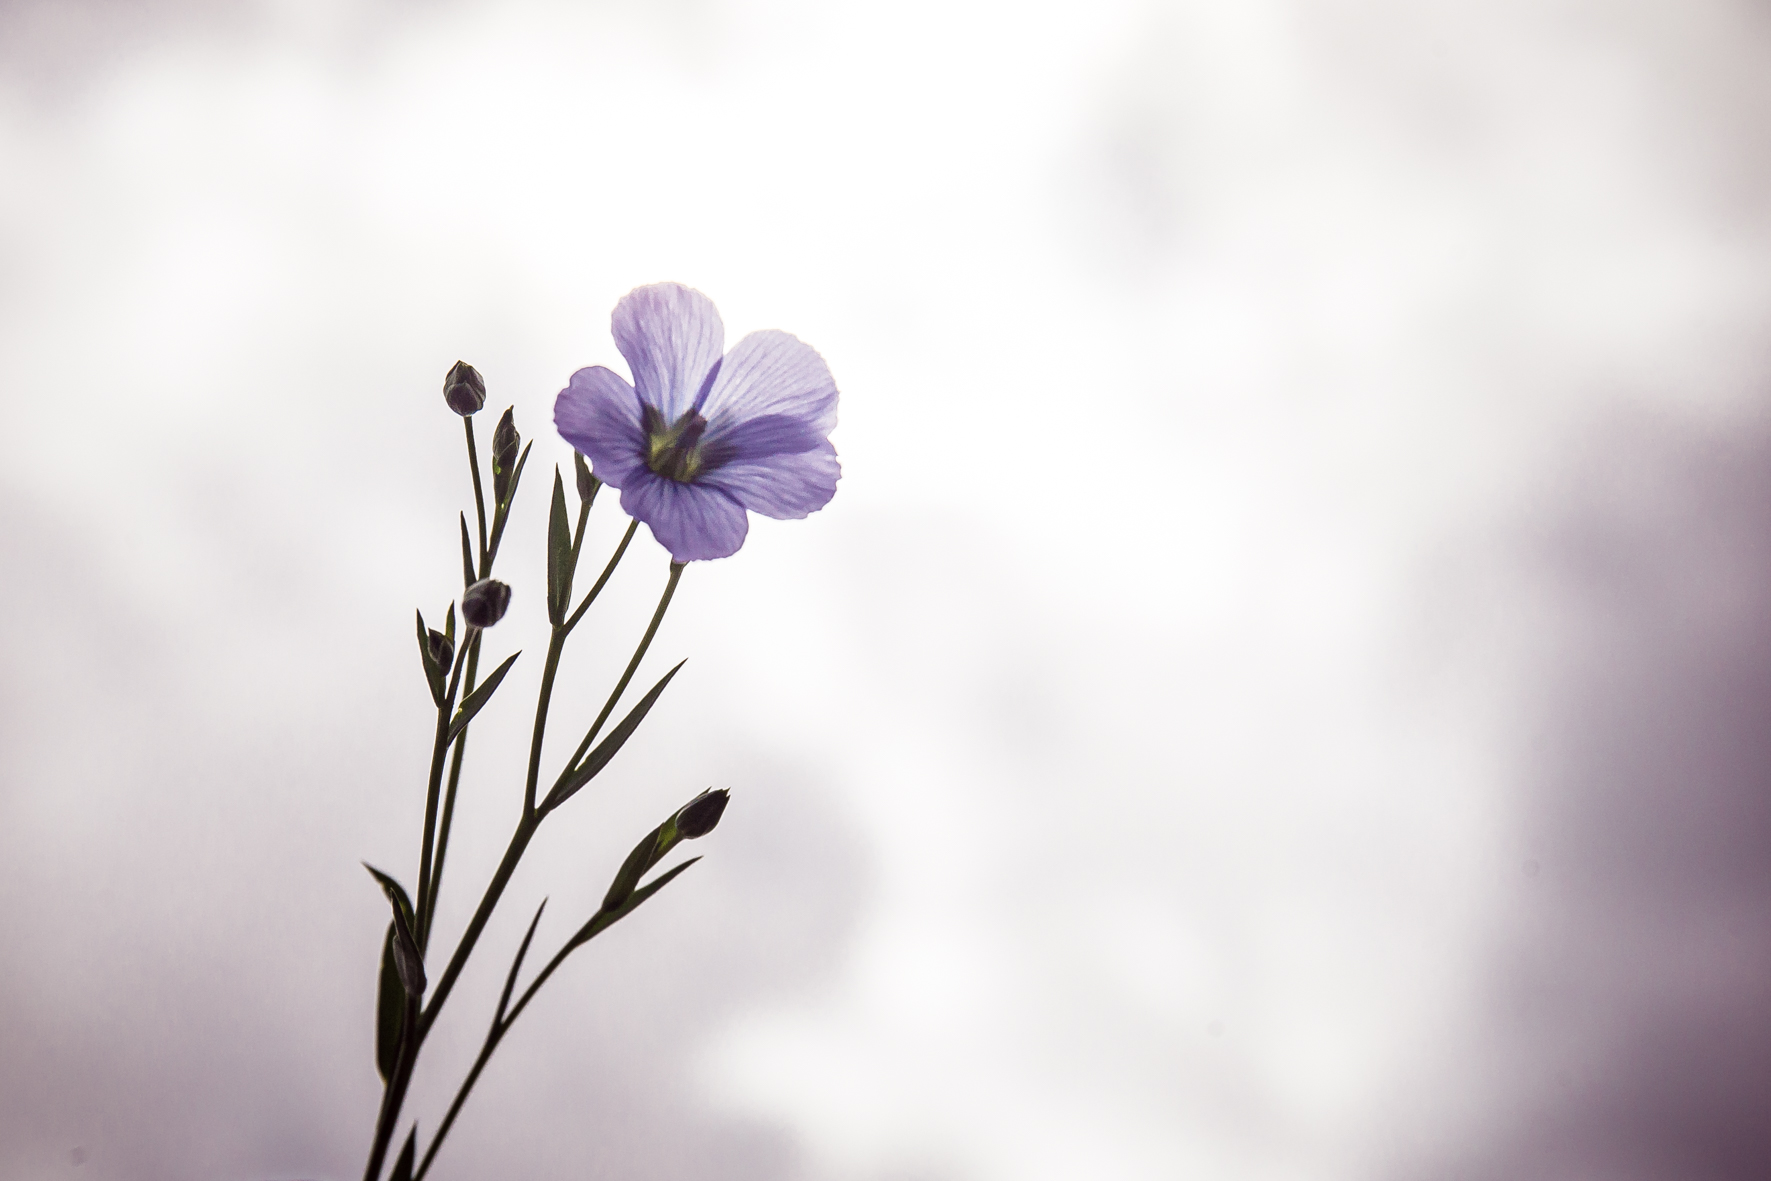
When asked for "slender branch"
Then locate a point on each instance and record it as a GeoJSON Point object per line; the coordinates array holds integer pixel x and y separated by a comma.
{"type": "Point", "coordinates": [555, 644]}
{"type": "Point", "coordinates": [438, 749]}
{"type": "Point", "coordinates": [519, 841]}
{"type": "Point", "coordinates": [676, 572]}
{"type": "Point", "coordinates": [607, 570]}
{"type": "Point", "coordinates": [479, 497]}
{"type": "Point", "coordinates": [459, 753]}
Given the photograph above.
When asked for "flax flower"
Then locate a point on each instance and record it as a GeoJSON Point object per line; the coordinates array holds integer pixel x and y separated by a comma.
{"type": "Point", "coordinates": [702, 435]}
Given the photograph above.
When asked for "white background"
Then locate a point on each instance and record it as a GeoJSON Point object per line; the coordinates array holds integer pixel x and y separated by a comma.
{"type": "Point", "coordinates": [1148, 766]}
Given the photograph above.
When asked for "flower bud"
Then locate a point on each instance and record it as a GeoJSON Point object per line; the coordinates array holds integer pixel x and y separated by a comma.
{"type": "Point", "coordinates": [699, 816]}
{"type": "Point", "coordinates": [485, 602]}
{"type": "Point", "coordinates": [464, 389]}
{"type": "Point", "coordinates": [442, 649]}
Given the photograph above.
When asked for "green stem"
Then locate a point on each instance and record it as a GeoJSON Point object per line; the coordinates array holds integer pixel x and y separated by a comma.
{"type": "Point", "coordinates": [555, 645]}
{"type": "Point", "coordinates": [459, 753]}
{"type": "Point", "coordinates": [676, 572]}
{"type": "Point", "coordinates": [500, 1026]}
{"type": "Point", "coordinates": [519, 841]}
{"type": "Point", "coordinates": [439, 748]}
{"type": "Point", "coordinates": [479, 497]}
{"type": "Point", "coordinates": [607, 570]}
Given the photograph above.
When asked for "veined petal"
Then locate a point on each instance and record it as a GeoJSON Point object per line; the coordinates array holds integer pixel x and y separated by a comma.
{"type": "Point", "coordinates": [785, 487]}
{"type": "Point", "coordinates": [771, 373]}
{"type": "Point", "coordinates": [672, 337]}
{"type": "Point", "coordinates": [599, 414]}
{"type": "Point", "coordinates": [694, 522]}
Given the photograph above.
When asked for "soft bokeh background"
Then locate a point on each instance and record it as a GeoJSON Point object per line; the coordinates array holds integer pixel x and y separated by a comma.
{"type": "Point", "coordinates": [1283, 692]}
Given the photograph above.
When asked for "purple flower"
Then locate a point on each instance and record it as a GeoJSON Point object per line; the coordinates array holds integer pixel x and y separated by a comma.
{"type": "Point", "coordinates": [698, 437]}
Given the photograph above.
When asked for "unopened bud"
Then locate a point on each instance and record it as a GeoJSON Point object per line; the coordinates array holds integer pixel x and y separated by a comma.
{"type": "Point", "coordinates": [587, 483]}
{"type": "Point", "coordinates": [442, 649]}
{"type": "Point", "coordinates": [464, 389]}
{"type": "Point", "coordinates": [485, 602]}
{"type": "Point", "coordinates": [701, 814]}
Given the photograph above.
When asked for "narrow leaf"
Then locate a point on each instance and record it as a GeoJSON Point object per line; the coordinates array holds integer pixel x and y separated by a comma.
{"type": "Point", "coordinates": [431, 673]}
{"type": "Point", "coordinates": [604, 919]}
{"type": "Point", "coordinates": [449, 623]}
{"type": "Point", "coordinates": [408, 1155]}
{"type": "Point", "coordinates": [502, 513]}
{"type": "Point", "coordinates": [599, 758]}
{"type": "Point", "coordinates": [559, 554]}
{"type": "Point", "coordinates": [477, 700]}
{"type": "Point", "coordinates": [408, 961]}
{"type": "Point", "coordinates": [390, 1010]}
{"type": "Point", "coordinates": [467, 572]}
{"type": "Point", "coordinates": [516, 965]}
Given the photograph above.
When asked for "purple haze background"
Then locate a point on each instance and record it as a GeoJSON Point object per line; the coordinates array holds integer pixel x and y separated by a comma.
{"type": "Point", "coordinates": [1280, 692]}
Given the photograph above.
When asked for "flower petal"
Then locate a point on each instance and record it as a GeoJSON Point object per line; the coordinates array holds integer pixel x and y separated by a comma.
{"type": "Point", "coordinates": [671, 336]}
{"type": "Point", "coordinates": [599, 414]}
{"type": "Point", "coordinates": [693, 521]}
{"type": "Point", "coordinates": [771, 373]}
{"type": "Point", "coordinates": [785, 487]}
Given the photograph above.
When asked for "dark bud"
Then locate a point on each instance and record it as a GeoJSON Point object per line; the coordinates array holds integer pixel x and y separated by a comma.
{"type": "Point", "coordinates": [587, 483]}
{"type": "Point", "coordinates": [442, 649]}
{"type": "Point", "coordinates": [505, 442]}
{"type": "Point", "coordinates": [485, 602]}
{"type": "Point", "coordinates": [701, 814]}
{"type": "Point", "coordinates": [464, 389]}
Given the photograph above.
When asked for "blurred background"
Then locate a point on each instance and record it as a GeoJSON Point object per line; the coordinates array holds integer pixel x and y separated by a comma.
{"type": "Point", "coordinates": [1282, 692]}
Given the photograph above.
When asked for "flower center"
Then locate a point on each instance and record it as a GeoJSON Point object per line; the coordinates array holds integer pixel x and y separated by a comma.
{"type": "Point", "coordinates": [674, 451]}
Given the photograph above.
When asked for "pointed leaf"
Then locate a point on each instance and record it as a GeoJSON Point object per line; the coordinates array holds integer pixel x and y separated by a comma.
{"type": "Point", "coordinates": [467, 573]}
{"type": "Point", "coordinates": [517, 963]}
{"type": "Point", "coordinates": [477, 700]}
{"type": "Point", "coordinates": [408, 1155]}
{"type": "Point", "coordinates": [560, 557]}
{"type": "Point", "coordinates": [449, 622]}
{"type": "Point", "coordinates": [390, 1010]}
{"type": "Point", "coordinates": [502, 514]}
{"type": "Point", "coordinates": [604, 919]}
{"type": "Point", "coordinates": [408, 962]}
{"type": "Point", "coordinates": [431, 672]}
{"type": "Point", "coordinates": [599, 758]}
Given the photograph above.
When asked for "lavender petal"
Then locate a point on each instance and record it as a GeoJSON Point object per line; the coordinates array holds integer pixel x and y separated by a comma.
{"type": "Point", "coordinates": [599, 414]}
{"type": "Point", "coordinates": [695, 522]}
{"type": "Point", "coordinates": [771, 373]}
{"type": "Point", "coordinates": [785, 487]}
{"type": "Point", "coordinates": [672, 337]}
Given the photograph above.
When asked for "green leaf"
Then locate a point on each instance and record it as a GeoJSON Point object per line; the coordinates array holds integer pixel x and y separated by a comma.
{"type": "Point", "coordinates": [588, 485]}
{"type": "Point", "coordinates": [477, 700]}
{"type": "Point", "coordinates": [560, 558]}
{"type": "Point", "coordinates": [449, 623]}
{"type": "Point", "coordinates": [467, 572]}
{"type": "Point", "coordinates": [504, 450]}
{"type": "Point", "coordinates": [604, 919]}
{"type": "Point", "coordinates": [431, 672]}
{"type": "Point", "coordinates": [517, 964]}
{"type": "Point", "coordinates": [502, 514]}
{"type": "Point", "coordinates": [599, 758]}
{"type": "Point", "coordinates": [390, 1010]}
{"type": "Point", "coordinates": [408, 961]}
{"type": "Point", "coordinates": [408, 1155]}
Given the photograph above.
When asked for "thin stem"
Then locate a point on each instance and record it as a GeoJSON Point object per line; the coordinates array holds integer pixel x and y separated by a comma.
{"type": "Point", "coordinates": [500, 1026]}
{"type": "Point", "coordinates": [676, 572]}
{"type": "Point", "coordinates": [459, 753]}
{"type": "Point", "coordinates": [519, 841]}
{"type": "Point", "coordinates": [438, 749]}
{"type": "Point", "coordinates": [554, 645]}
{"type": "Point", "coordinates": [479, 497]}
{"type": "Point", "coordinates": [607, 570]}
